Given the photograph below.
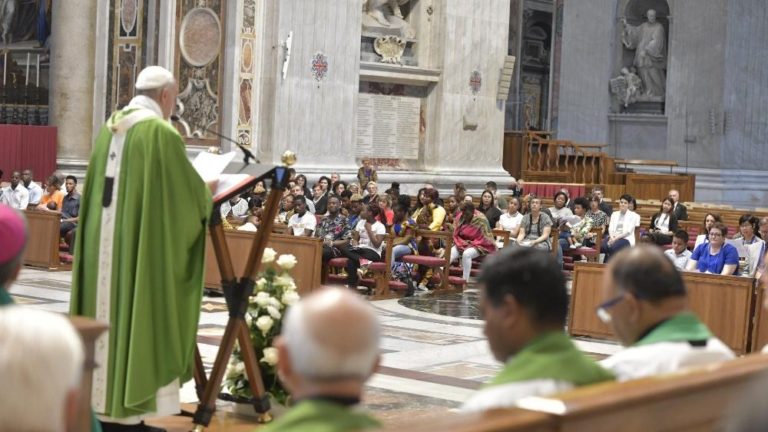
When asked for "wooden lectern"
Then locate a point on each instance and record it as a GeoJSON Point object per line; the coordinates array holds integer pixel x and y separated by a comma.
{"type": "Point", "coordinates": [237, 292]}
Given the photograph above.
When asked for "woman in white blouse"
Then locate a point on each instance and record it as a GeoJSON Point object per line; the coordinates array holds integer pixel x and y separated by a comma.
{"type": "Point", "coordinates": [510, 221]}
{"type": "Point", "coordinates": [621, 229]}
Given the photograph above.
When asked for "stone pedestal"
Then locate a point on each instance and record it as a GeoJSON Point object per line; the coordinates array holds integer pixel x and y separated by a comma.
{"type": "Point", "coordinates": [72, 76]}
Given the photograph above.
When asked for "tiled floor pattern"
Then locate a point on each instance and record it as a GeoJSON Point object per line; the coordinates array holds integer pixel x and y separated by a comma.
{"type": "Point", "coordinates": [434, 353]}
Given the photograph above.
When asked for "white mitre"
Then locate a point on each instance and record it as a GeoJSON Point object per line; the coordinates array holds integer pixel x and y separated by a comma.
{"type": "Point", "coordinates": [153, 77]}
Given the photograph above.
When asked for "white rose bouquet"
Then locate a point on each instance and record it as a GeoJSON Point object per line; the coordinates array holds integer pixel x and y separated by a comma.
{"type": "Point", "coordinates": [274, 292]}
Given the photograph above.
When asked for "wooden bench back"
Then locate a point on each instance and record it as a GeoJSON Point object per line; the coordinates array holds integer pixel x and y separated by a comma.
{"type": "Point", "coordinates": [693, 400]}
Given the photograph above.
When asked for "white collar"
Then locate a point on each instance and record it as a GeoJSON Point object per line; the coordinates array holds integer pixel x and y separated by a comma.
{"type": "Point", "coordinates": [145, 102]}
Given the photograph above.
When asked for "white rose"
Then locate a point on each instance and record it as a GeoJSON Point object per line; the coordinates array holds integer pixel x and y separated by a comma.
{"type": "Point", "coordinates": [290, 298]}
{"type": "Point", "coordinates": [264, 324]}
{"type": "Point", "coordinates": [274, 312]}
{"type": "Point", "coordinates": [275, 303]}
{"type": "Point", "coordinates": [248, 319]}
{"type": "Point", "coordinates": [269, 256]}
{"type": "Point", "coordinates": [286, 262]}
{"type": "Point", "coordinates": [285, 281]}
{"type": "Point", "coordinates": [270, 356]}
{"type": "Point", "coordinates": [261, 283]}
{"type": "Point", "coordinates": [262, 299]}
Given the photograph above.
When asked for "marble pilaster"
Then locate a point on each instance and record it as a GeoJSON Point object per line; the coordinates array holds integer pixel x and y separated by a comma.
{"type": "Point", "coordinates": [73, 76]}
{"type": "Point", "coordinates": [454, 143]}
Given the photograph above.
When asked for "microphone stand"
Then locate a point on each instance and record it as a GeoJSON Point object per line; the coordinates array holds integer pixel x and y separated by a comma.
{"type": "Point", "coordinates": [247, 155]}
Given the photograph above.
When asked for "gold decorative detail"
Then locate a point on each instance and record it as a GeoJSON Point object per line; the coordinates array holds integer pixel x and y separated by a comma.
{"type": "Point", "coordinates": [264, 418]}
{"type": "Point", "coordinates": [289, 158]}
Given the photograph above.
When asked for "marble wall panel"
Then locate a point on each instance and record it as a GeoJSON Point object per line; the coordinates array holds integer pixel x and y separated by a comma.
{"type": "Point", "coordinates": [586, 66]}
{"type": "Point", "coordinates": [127, 53]}
{"type": "Point", "coordinates": [314, 118]}
{"type": "Point", "coordinates": [743, 120]}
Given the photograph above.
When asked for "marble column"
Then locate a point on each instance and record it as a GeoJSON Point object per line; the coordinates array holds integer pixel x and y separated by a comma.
{"type": "Point", "coordinates": [72, 76]}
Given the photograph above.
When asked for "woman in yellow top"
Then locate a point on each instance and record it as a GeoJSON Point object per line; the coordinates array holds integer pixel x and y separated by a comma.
{"type": "Point", "coordinates": [429, 216]}
{"type": "Point", "coordinates": [53, 197]}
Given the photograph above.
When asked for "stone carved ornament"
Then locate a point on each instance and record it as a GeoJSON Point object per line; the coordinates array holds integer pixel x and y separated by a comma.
{"type": "Point", "coordinates": [198, 106]}
{"type": "Point", "coordinates": [390, 48]}
{"type": "Point", "coordinates": [385, 17]}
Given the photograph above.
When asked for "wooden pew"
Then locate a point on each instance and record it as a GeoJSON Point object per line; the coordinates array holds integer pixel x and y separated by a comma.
{"type": "Point", "coordinates": [709, 296]}
{"type": "Point", "coordinates": [760, 329]}
{"type": "Point", "coordinates": [89, 330]}
{"type": "Point", "coordinates": [512, 420]}
{"type": "Point", "coordinates": [693, 400]}
{"type": "Point", "coordinates": [308, 252]}
{"type": "Point", "coordinates": [43, 244]}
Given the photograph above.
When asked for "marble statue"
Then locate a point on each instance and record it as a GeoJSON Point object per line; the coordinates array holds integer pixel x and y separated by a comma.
{"type": "Point", "coordinates": [7, 14]}
{"type": "Point", "coordinates": [627, 87]}
{"type": "Point", "coordinates": [386, 18]}
{"type": "Point", "coordinates": [649, 42]}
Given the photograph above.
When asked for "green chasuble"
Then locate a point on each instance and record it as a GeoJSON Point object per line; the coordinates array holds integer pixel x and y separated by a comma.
{"type": "Point", "coordinates": [552, 356]}
{"type": "Point", "coordinates": [161, 207]}
{"type": "Point", "coordinates": [321, 416]}
{"type": "Point", "coordinates": [683, 327]}
{"type": "Point", "coordinates": [5, 299]}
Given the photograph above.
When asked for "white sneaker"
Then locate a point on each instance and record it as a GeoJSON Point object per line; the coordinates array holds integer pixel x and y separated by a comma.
{"type": "Point", "coordinates": [422, 288]}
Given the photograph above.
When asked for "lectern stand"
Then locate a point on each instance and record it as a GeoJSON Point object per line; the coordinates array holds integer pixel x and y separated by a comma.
{"type": "Point", "coordinates": [237, 292]}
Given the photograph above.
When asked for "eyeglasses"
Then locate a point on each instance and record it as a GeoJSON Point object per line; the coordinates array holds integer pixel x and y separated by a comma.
{"type": "Point", "coordinates": [714, 234]}
{"type": "Point", "coordinates": [602, 309]}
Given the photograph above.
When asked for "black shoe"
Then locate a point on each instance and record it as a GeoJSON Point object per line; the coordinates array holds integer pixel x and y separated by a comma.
{"type": "Point", "coordinates": [140, 427]}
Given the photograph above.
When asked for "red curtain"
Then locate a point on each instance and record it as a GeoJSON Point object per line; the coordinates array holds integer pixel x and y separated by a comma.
{"type": "Point", "coordinates": [548, 190]}
{"type": "Point", "coordinates": [27, 147]}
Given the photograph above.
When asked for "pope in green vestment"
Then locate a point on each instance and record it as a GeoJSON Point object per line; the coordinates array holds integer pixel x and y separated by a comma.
{"type": "Point", "coordinates": [142, 233]}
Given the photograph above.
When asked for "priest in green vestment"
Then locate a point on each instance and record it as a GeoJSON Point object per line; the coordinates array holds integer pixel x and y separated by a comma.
{"type": "Point", "coordinates": [524, 303]}
{"type": "Point", "coordinates": [328, 348]}
{"type": "Point", "coordinates": [646, 304]}
{"type": "Point", "coordinates": [140, 256]}
{"type": "Point", "coordinates": [13, 231]}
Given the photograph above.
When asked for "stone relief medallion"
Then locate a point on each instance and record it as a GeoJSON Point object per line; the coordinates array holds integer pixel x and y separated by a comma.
{"type": "Point", "coordinates": [244, 137]}
{"type": "Point", "coordinates": [475, 81]}
{"type": "Point", "coordinates": [198, 107]}
{"type": "Point", "coordinates": [128, 14]}
{"type": "Point", "coordinates": [200, 37]}
{"type": "Point", "coordinates": [246, 64]}
{"type": "Point", "coordinates": [390, 48]}
{"type": "Point", "coordinates": [319, 66]}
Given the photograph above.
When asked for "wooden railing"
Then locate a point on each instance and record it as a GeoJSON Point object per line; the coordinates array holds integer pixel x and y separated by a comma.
{"type": "Point", "coordinates": [564, 161]}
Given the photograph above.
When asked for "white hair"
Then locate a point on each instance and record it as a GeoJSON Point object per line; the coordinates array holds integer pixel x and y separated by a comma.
{"type": "Point", "coordinates": [41, 361]}
{"type": "Point", "coordinates": [318, 362]}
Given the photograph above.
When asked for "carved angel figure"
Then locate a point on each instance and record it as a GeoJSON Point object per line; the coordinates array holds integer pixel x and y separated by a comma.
{"type": "Point", "coordinates": [7, 13]}
{"type": "Point", "coordinates": [627, 86]}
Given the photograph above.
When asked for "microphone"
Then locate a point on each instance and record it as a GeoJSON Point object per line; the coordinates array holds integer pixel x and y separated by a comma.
{"type": "Point", "coordinates": [247, 155]}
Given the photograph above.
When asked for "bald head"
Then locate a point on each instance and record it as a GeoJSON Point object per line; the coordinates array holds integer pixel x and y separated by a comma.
{"type": "Point", "coordinates": [332, 334]}
{"type": "Point", "coordinates": [645, 272]}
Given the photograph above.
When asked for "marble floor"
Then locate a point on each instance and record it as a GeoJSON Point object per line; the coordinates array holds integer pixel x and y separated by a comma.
{"type": "Point", "coordinates": [434, 354]}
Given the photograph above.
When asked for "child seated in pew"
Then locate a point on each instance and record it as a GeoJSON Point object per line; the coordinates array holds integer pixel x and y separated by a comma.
{"type": "Point", "coordinates": [578, 226]}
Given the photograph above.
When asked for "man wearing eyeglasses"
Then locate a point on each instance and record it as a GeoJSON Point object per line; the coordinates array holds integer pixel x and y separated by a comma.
{"type": "Point", "coordinates": [646, 304]}
{"type": "Point", "coordinates": [524, 303]}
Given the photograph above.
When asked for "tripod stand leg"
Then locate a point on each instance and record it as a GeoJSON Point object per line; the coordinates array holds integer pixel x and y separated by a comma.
{"type": "Point", "coordinates": [252, 371]}
{"type": "Point", "coordinates": [200, 379]}
{"type": "Point", "coordinates": [208, 402]}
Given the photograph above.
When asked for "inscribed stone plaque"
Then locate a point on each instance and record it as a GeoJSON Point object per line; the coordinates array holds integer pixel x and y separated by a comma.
{"type": "Point", "coordinates": [388, 126]}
